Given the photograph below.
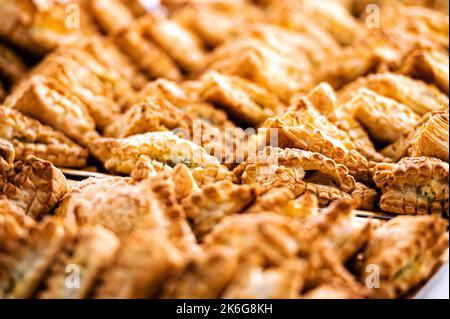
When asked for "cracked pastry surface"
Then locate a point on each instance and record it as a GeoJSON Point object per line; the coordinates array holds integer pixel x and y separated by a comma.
{"type": "Point", "coordinates": [51, 103]}
{"type": "Point", "coordinates": [429, 65]}
{"type": "Point", "coordinates": [306, 129]}
{"type": "Point", "coordinates": [430, 139]}
{"type": "Point", "coordinates": [215, 201]}
{"type": "Point", "coordinates": [242, 99]}
{"type": "Point", "coordinates": [385, 119]}
{"type": "Point", "coordinates": [405, 258]}
{"type": "Point", "coordinates": [121, 155]}
{"type": "Point", "coordinates": [123, 206]}
{"type": "Point", "coordinates": [34, 185]}
{"type": "Point", "coordinates": [336, 228]}
{"type": "Point", "coordinates": [300, 171]}
{"type": "Point", "coordinates": [419, 96]}
{"type": "Point", "coordinates": [30, 137]}
{"type": "Point", "coordinates": [413, 186]}
{"type": "Point", "coordinates": [253, 60]}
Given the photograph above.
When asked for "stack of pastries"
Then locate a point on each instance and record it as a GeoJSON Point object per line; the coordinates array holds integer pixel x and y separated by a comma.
{"type": "Point", "coordinates": [236, 143]}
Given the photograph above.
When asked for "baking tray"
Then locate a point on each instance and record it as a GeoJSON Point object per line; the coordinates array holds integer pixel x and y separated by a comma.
{"type": "Point", "coordinates": [437, 287]}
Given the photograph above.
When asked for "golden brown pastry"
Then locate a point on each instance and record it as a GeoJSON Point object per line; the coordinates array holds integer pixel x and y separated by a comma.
{"type": "Point", "coordinates": [254, 282]}
{"type": "Point", "coordinates": [300, 171]}
{"type": "Point", "coordinates": [150, 115]}
{"type": "Point", "coordinates": [283, 201]}
{"type": "Point", "coordinates": [34, 185]}
{"type": "Point", "coordinates": [441, 5]}
{"type": "Point", "coordinates": [178, 42]}
{"type": "Point", "coordinates": [338, 230]}
{"type": "Point", "coordinates": [372, 52]}
{"type": "Point", "coordinates": [423, 23]}
{"type": "Point", "coordinates": [385, 119]}
{"type": "Point", "coordinates": [40, 26]}
{"type": "Point", "coordinates": [217, 21]}
{"type": "Point", "coordinates": [267, 235]}
{"type": "Point", "coordinates": [419, 96]}
{"type": "Point", "coordinates": [111, 15]}
{"type": "Point", "coordinates": [121, 155]}
{"type": "Point", "coordinates": [244, 100]}
{"type": "Point", "coordinates": [46, 100]}
{"type": "Point", "coordinates": [256, 61]}
{"type": "Point", "coordinates": [413, 186]}
{"type": "Point", "coordinates": [12, 68]}
{"type": "Point", "coordinates": [304, 128]}
{"type": "Point", "coordinates": [429, 65]}
{"type": "Point", "coordinates": [151, 59]}
{"type": "Point", "coordinates": [24, 262]}
{"type": "Point", "coordinates": [209, 206]}
{"type": "Point", "coordinates": [403, 252]}
{"type": "Point", "coordinates": [429, 139]}
{"type": "Point", "coordinates": [122, 206]}
{"type": "Point", "coordinates": [129, 276]}
{"type": "Point", "coordinates": [87, 255]}
{"type": "Point", "coordinates": [97, 94]}
{"type": "Point", "coordinates": [300, 45]}
{"type": "Point", "coordinates": [30, 137]}
{"type": "Point", "coordinates": [105, 59]}
{"type": "Point", "coordinates": [204, 276]}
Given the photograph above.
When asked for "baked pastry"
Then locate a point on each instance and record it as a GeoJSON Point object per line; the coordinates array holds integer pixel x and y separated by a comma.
{"type": "Point", "coordinates": [215, 201]}
{"type": "Point", "coordinates": [300, 171]}
{"type": "Point", "coordinates": [151, 59]}
{"type": "Point", "coordinates": [204, 276]}
{"type": "Point", "coordinates": [430, 139]}
{"type": "Point", "coordinates": [337, 230]}
{"type": "Point", "coordinates": [217, 21]}
{"type": "Point", "coordinates": [151, 204]}
{"type": "Point", "coordinates": [402, 258]}
{"type": "Point", "coordinates": [121, 155]}
{"type": "Point", "coordinates": [48, 101]}
{"type": "Point", "coordinates": [12, 68]}
{"type": "Point", "coordinates": [253, 60]}
{"type": "Point", "coordinates": [178, 42]}
{"type": "Point", "coordinates": [254, 282]}
{"type": "Point", "coordinates": [30, 137]}
{"type": "Point", "coordinates": [269, 236]}
{"type": "Point", "coordinates": [111, 15]}
{"type": "Point", "coordinates": [324, 99]}
{"type": "Point", "coordinates": [88, 254]}
{"type": "Point", "coordinates": [419, 96]}
{"type": "Point", "coordinates": [430, 65]}
{"type": "Point", "coordinates": [284, 202]}
{"type": "Point", "coordinates": [40, 26]}
{"type": "Point", "coordinates": [242, 99]}
{"type": "Point", "coordinates": [413, 186]}
{"type": "Point", "coordinates": [128, 277]}
{"type": "Point", "coordinates": [24, 261]}
{"type": "Point", "coordinates": [385, 119]}
{"type": "Point", "coordinates": [304, 128]}
{"type": "Point", "coordinates": [34, 185]}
